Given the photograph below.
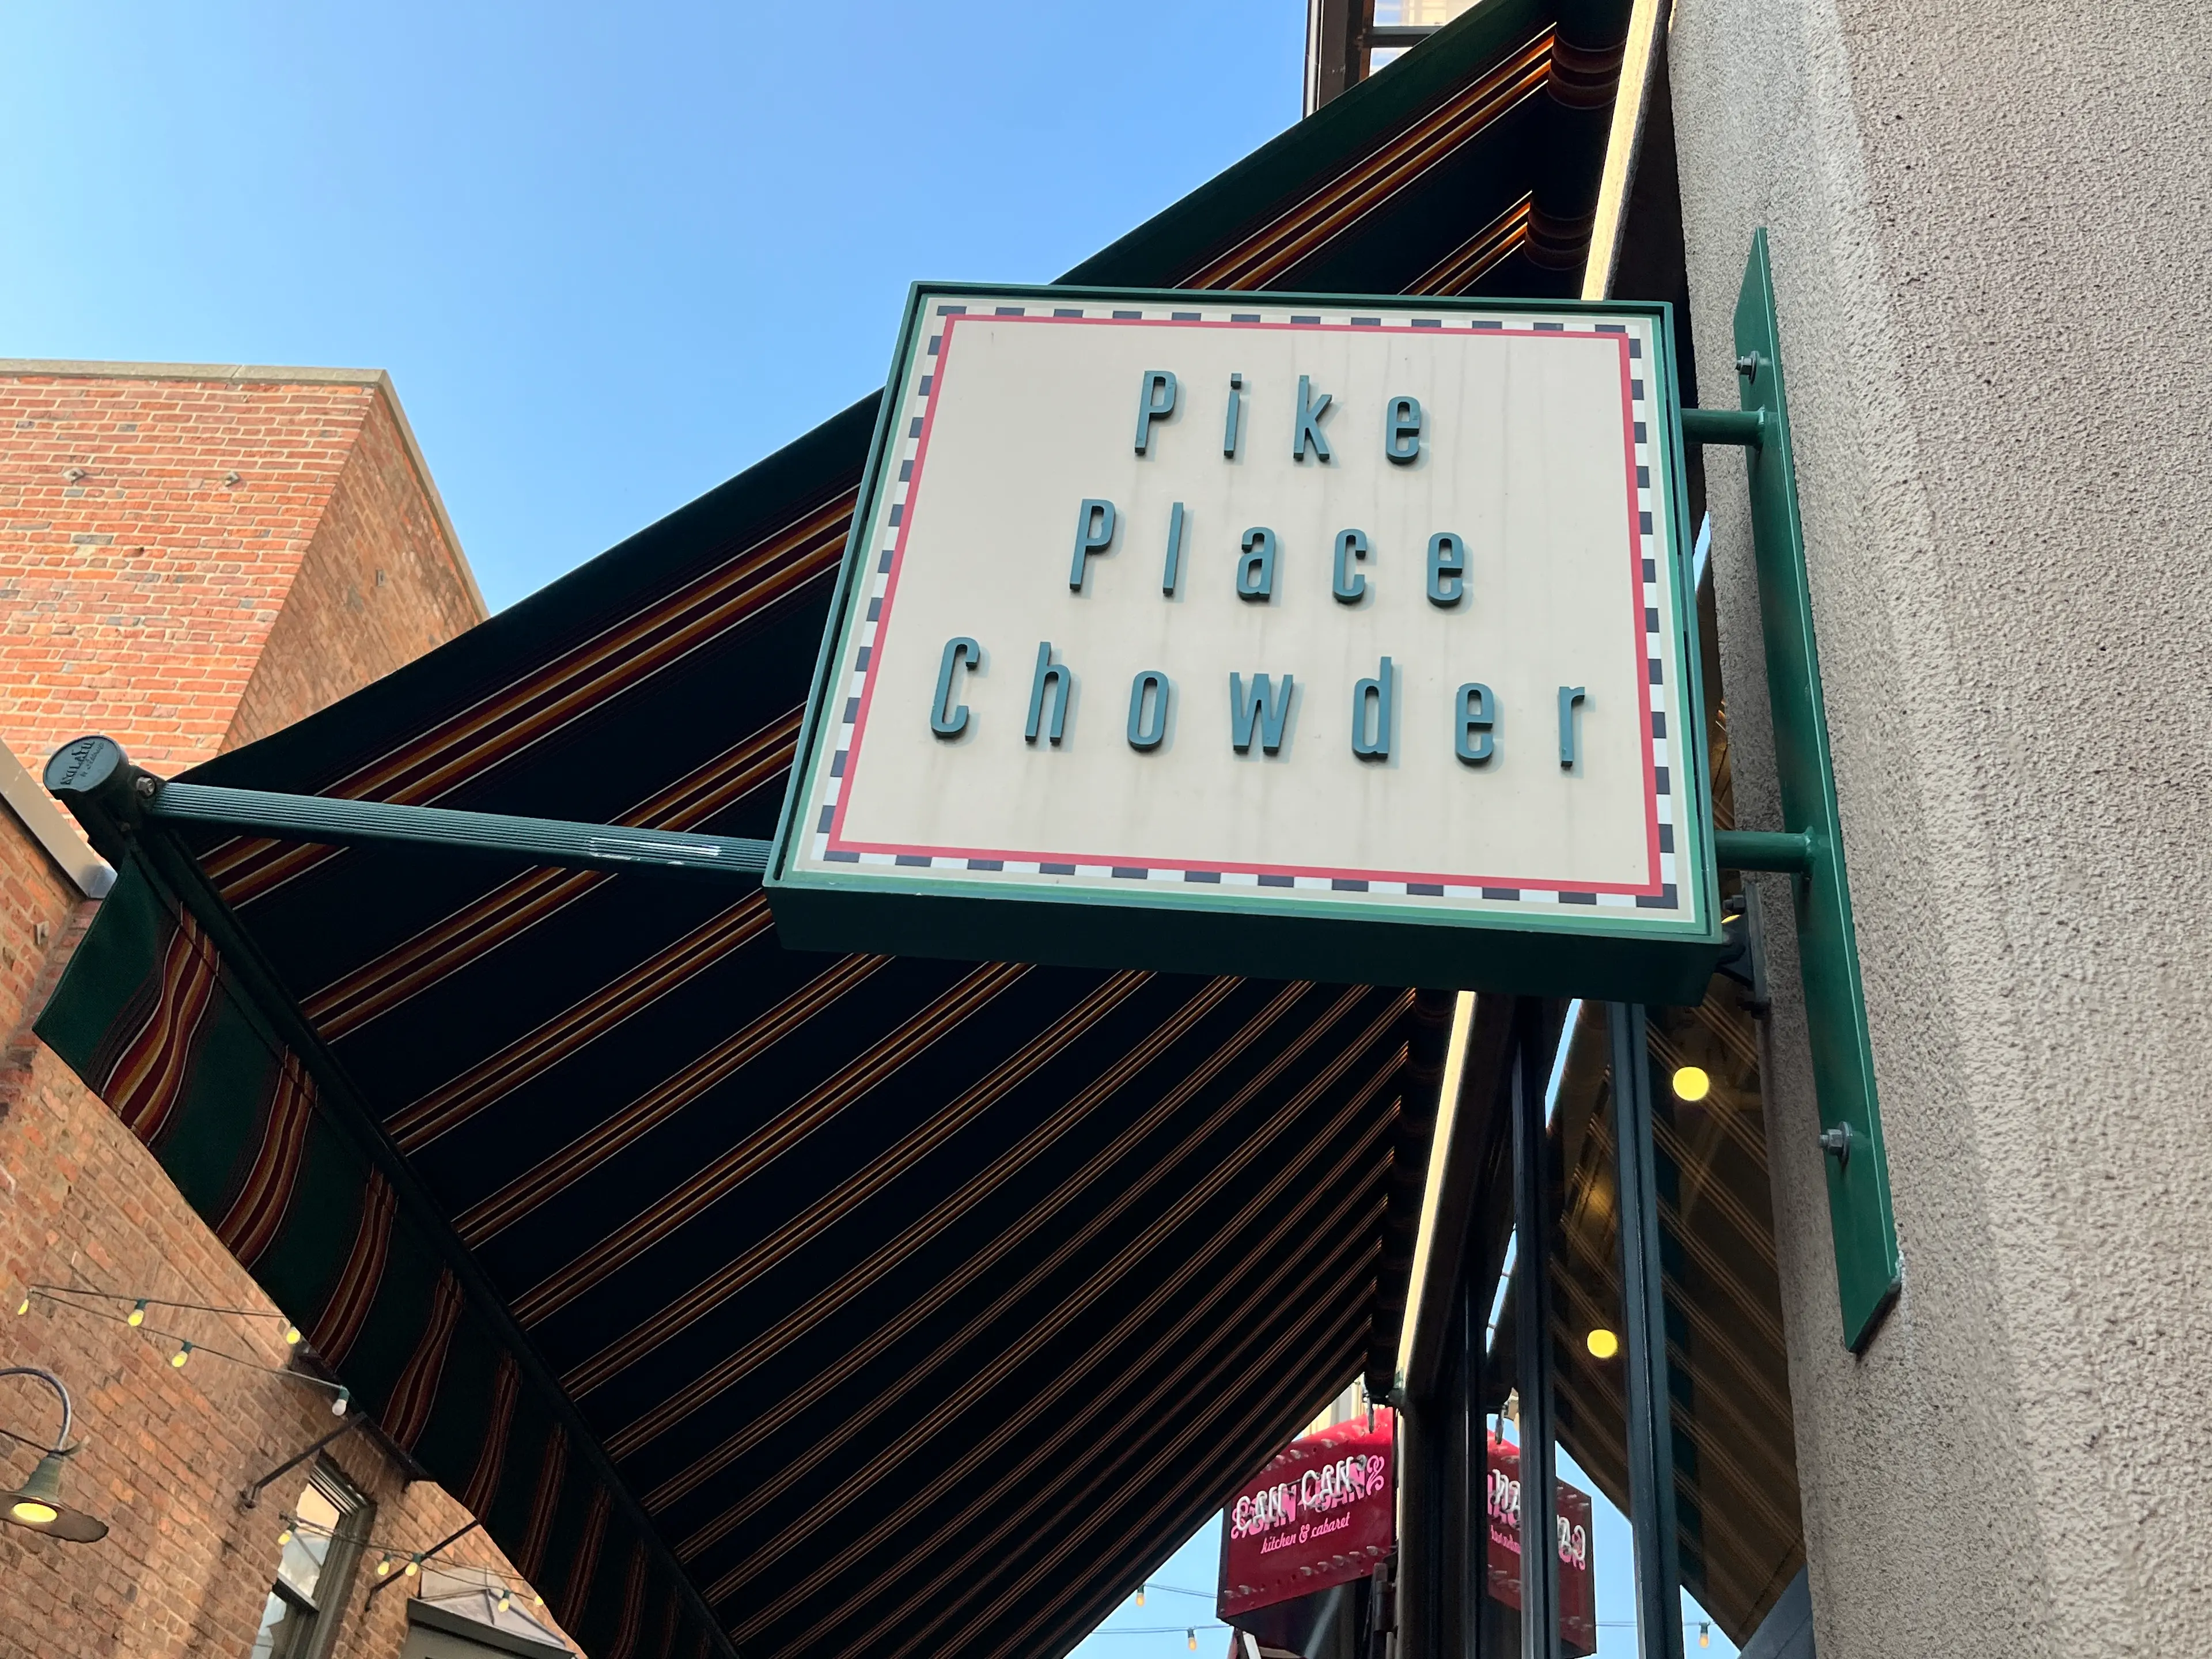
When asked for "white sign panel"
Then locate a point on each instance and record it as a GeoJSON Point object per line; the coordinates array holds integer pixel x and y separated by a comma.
{"type": "Point", "coordinates": [1322, 609]}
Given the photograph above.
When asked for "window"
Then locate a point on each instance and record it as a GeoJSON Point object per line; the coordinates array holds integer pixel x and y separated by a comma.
{"type": "Point", "coordinates": [320, 1542]}
{"type": "Point", "coordinates": [1348, 40]}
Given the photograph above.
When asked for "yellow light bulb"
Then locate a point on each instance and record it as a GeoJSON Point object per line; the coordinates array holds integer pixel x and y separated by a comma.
{"type": "Point", "coordinates": [384, 1568]}
{"type": "Point", "coordinates": [33, 1513]}
{"type": "Point", "coordinates": [537, 1600]}
{"type": "Point", "coordinates": [504, 1601]}
{"type": "Point", "coordinates": [1193, 1636]}
{"type": "Point", "coordinates": [136, 1316]}
{"type": "Point", "coordinates": [24, 1306]}
{"type": "Point", "coordinates": [1601, 1343]}
{"type": "Point", "coordinates": [292, 1335]}
{"type": "Point", "coordinates": [1141, 1595]}
{"type": "Point", "coordinates": [413, 1568]}
{"type": "Point", "coordinates": [1691, 1084]}
{"type": "Point", "coordinates": [182, 1355]}
{"type": "Point", "coordinates": [1704, 1635]}
{"type": "Point", "coordinates": [283, 1538]}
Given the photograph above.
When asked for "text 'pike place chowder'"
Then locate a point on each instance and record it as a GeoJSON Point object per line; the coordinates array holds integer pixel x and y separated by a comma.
{"type": "Point", "coordinates": [1259, 698]}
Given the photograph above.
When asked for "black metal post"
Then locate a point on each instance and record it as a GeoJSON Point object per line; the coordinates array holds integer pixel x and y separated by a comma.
{"type": "Point", "coordinates": [251, 1495]}
{"type": "Point", "coordinates": [1474, 1489]}
{"type": "Point", "coordinates": [1418, 1545]}
{"type": "Point", "coordinates": [1533, 1229]}
{"type": "Point", "coordinates": [383, 1585]}
{"type": "Point", "coordinates": [1651, 1430]}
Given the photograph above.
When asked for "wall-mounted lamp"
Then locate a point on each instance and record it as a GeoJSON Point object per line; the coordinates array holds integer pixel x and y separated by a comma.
{"type": "Point", "coordinates": [36, 1506]}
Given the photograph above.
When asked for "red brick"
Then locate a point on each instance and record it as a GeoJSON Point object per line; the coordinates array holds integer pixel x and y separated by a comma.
{"type": "Point", "coordinates": [180, 644]}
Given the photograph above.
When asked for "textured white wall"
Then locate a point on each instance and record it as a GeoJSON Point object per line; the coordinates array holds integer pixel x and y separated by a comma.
{"type": "Point", "coordinates": [1991, 229]}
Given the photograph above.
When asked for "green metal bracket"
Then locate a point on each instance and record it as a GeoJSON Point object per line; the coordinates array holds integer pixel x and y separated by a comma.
{"type": "Point", "coordinates": [1865, 1231]}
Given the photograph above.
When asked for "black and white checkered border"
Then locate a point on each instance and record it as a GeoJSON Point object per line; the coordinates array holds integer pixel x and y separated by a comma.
{"type": "Point", "coordinates": [1652, 524]}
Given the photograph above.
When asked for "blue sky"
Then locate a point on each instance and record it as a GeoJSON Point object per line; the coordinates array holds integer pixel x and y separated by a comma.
{"type": "Point", "coordinates": [611, 255]}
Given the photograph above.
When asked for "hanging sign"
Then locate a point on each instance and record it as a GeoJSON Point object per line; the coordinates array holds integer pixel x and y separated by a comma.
{"type": "Point", "coordinates": [1334, 638]}
{"type": "Point", "coordinates": [1323, 1512]}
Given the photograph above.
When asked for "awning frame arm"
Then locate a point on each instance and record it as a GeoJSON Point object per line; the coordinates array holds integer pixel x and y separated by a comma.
{"type": "Point", "coordinates": [93, 776]}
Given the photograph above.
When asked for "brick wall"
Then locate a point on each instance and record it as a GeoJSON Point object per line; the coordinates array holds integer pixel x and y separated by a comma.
{"type": "Point", "coordinates": [379, 588]}
{"type": "Point", "coordinates": [155, 598]}
{"type": "Point", "coordinates": [189, 563]}
{"type": "Point", "coordinates": [184, 1571]}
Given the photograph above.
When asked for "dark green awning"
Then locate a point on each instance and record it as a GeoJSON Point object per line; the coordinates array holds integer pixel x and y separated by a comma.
{"type": "Point", "coordinates": [778, 1303]}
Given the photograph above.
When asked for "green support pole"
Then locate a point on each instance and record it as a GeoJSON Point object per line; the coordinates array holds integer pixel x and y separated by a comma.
{"type": "Point", "coordinates": [1812, 849]}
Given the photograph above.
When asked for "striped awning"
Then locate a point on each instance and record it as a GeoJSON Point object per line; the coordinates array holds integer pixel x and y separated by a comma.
{"type": "Point", "coordinates": [775, 1304]}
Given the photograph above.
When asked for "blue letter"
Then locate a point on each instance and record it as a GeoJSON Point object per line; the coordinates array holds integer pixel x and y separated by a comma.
{"type": "Point", "coordinates": [1570, 698]}
{"type": "Point", "coordinates": [1055, 677]}
{"type": "Point", "coordinates": [1142, 733]}
{"type": "Point", "coordinates": [1094, 533]}
{"type": "Point", "coordinates": [1266, 699]}
{"type": "Point", "coordinates": [1307, 428]}
{"type": "Point", "coordinates": [1447, 559]}
{"type": "Point", "coordinates": [1372, 693]}
{"type": "Point", "coordinates": [951, 723]}
{"type": "Point", "coordinates": [1477, 713]}
{"type": "Point", "coordinates": [1173, 572]}
{"type": "Point", "coordinates": [1255, 571]}
{"type": "Point", "coordinates": [1402, 430]}
{"type": "Point", "coordinates": [1155, 401]}
{"type": "Point", "coordinates": [1347, 584]}
{"type": "Point", "coordinates": [1236, 417]}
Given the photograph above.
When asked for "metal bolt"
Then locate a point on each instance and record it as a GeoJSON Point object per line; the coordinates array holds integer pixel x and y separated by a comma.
{"type": "Point", "coordinates": [1837, 1143]}
{"type": "Point", "coordinates": [145, 788]}
{"type": "Point", "coordinates": [1748, 365]}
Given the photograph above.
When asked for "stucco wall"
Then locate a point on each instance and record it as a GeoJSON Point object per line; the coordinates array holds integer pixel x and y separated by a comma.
{"type": "Point", "coordinates": [1987, 220]}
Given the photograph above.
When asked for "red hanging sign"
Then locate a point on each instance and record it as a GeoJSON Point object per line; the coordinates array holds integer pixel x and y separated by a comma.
{"type": "Point", "coordinates": [1322, 1512]}
{"type": "Point", "coordinates": [1577, 1600]}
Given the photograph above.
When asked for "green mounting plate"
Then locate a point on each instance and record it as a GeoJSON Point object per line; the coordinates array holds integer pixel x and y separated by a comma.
{"type": "Point", "coordinates": [1865, 1232]}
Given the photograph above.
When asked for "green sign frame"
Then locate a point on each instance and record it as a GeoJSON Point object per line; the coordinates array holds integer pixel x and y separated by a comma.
{"type": "Point", "coordinates": [1553, 952]}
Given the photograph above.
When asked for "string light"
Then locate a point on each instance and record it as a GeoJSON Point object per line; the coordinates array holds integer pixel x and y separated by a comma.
{"type": "Point", "coordinates": [410, 1563]}
{"type": "Point", "coordinates": [1601, 1343]}
{"type": "Point", "coordinates": [61, 1294]}
{"type": "Point", "coordinates": [1704, 1635]}
{"type": "Point", "coordinates": [1141, 1595]}
{"type": "Point", "coordinates": [1691, 1084]}
{"type": "Point", "coordinates": [1192, 1637]}
{"type": "Point", "coordinates": [283, 1538]}
{"type": "Point", "coordinates": [139, 1304]}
